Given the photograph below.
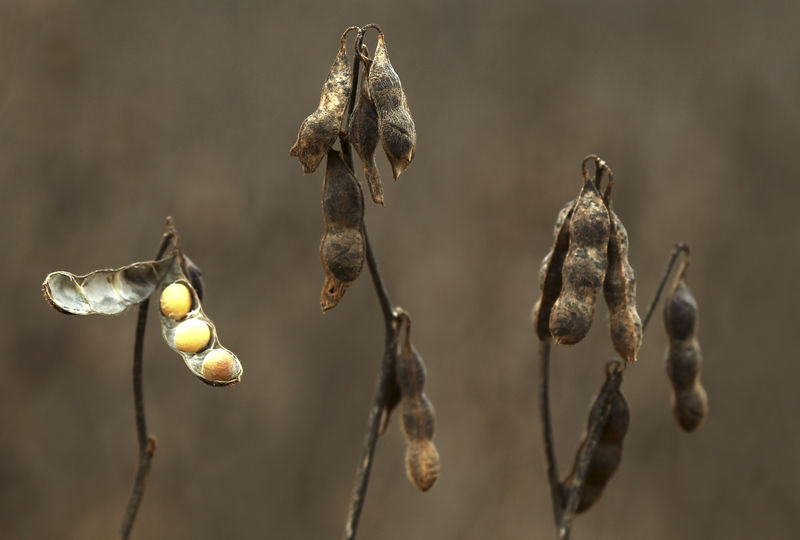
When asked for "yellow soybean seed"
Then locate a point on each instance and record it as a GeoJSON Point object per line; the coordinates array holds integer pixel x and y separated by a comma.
{"type": "Point", "coordinates": [218, 365]}
{"type": "Point", "coordinates": [192, 336]}
{"type": "Point", "coordinates": [176, 301]}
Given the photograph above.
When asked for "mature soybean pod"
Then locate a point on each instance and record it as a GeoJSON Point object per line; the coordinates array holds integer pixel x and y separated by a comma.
{"type": "Point", "coordinates": [550, 273]}
{"type": "Point", "coordinates": [343, 249]}
{"type": "Point", "coordinates": [397, 131]}
{"type": "Point", "coordinates": [584, 268]}
{"type": "Point", "coordinates": [320, 129]}
{"type": "Point", "coordinates": [422, 459]}
{"type": "Point", "coordinates": [363, 135]}
{"type": "Point", "coordinates": [684, 357]}
{"type": "Point", "coordinates": [619, 289]}
{"type": "Point", "coordinates": [608, 452]}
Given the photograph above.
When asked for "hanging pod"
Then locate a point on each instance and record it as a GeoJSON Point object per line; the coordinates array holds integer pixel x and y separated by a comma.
{"type": "Point", "coordinates": [584, 267]}
{"type": "Point", "coordinates": [396, 127]}
{"type": "Point", "coordinates": [550, 280]}
{"type": "Point", "coordinates": [363, 132]}
{"type": "Point", "coordinates": [190, 333]}
{"type": "Point", "coordinates": [343, 248]}
{"type": "Point", "coordinates": [319, 130]}
{"type": "Point", "coordinates": [684, 357]}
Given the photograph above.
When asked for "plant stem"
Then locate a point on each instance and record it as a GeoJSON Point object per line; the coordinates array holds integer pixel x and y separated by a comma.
{"type": "Point", "coordinates": [547, 427]}
{"type": "Point", "coordinates": [147, 444]}
{"type": "Point", "coordinates": [379, 400]}
{"type": "Point", "coordinates": [676, 251]}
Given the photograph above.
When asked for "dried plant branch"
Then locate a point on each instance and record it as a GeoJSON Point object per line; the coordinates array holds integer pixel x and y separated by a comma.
{"type": "Point", "coordinates": [547, 428]}
{"type": "Point", "coordinates": [147, 444]}
{"type": "Point", "coordinates": [676, 251]}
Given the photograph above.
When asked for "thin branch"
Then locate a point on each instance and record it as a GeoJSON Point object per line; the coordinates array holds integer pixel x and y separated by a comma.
{"type": "Point", "coordinates": [547, 427]}
{"type": "Point", "coordinates": [147, 444]}
{"type": "Point", "coordinates": [676, 251]}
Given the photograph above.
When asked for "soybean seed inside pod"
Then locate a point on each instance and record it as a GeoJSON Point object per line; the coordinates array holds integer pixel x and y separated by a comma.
{"type": "Point", "coordinates": [619, 289]}
{"type": "Point", "coordinates": [363, 135]}
{"type": "Point", "coordinates": [218, 365]}
{"type": "Point", "coordinates": [176, 301]}
{"type": "Point", "coordinates": [584, 268]}
{"type": "Point", "coordinates": [343, 248]}
{"type": "Point", "coordinates": [192, 336]}
{"type": "Point", "coordinates": [608, 451]}
{"type": "Point", "coordinates": [684, 357]}
{"type": "Point", "coordinates": [319, 130]}
{"type": "Point", "coordinates": [396, 127]}
{"type": "Point", "coordinates": [550, 273]}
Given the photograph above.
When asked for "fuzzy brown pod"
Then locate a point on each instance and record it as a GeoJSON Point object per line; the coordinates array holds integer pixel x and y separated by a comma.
{"type": "Point", "coordinates": [319, 130]}
{"type": "Point", "coordinates": [608, 451]}
{"type": "Point", "coordinates": [396, 127]}
{"type": "Point", "coordinates": [343, 246]}
{"type": "Point", "coordinates": [422, 464]}
{"type": "Point", "coordinates": [684, 361]}
{"type": "Point", "coordinates": [619, 289]}
{"type": "Point", "coordinates": [188, 331]}
{"type": "Point", "coordinates": [550, 273]}
{"type": "Point", "coordinates": [363, 134]}
{"type": "Point", "coordinates": [107, 291]}
{"type": "Point", "coordinates": [584, 268]}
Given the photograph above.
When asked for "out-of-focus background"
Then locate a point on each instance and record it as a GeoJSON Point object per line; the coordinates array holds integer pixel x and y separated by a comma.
{"type": "Point", "coordinates": [115, 114]}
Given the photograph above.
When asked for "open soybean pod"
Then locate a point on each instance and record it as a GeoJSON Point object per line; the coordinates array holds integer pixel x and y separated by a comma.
{"type": "Point", "coordinates": [550, 273]}
{"type": "Point", "coordinates": [396, 127]}
{"type": "Point", "coordinates": [319, 130]}
{"type": "Point", "coordinates": [684, 356]}
{"type": "Point", "coordinates": [189, 332]}
{"type": "Point", "coordinates": [105, 292]}
{"type": "Point", "coordinates": [343, 248]}
{"type": "Point", "coordinates": [608, 451]}
{"type": "Point", "coordinates": [584, 267]}
{"type": "Point", "coordinates": [619, 289]}
{"type": "Point", "coordinates": [363, 131]}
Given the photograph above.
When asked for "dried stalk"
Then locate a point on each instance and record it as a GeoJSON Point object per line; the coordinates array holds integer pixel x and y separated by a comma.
{"type": "Point", "coordinates": [147, 443]}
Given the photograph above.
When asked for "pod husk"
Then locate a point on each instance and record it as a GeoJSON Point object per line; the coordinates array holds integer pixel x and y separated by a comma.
{"type": "Point", "coordinates": [363, 135]}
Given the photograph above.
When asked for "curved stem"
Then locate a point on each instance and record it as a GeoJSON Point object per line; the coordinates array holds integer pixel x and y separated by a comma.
{"type": "Point", "coordinates": [147, 444]}
{"type": "Point", "coordinates": [676, 251]}
{"type": "Point", "coordinates": [547, 427]}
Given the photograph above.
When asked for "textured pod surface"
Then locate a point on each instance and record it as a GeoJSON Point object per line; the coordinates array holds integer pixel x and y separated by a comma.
{"type": "Point", "coordinates": [397, 131]}
{"type": "Point", "coordinates": [584, 268]}
{"type": "Point", "coordinates": [195, 338]}
{"type": "Point", "coordinates": [343, 247]}
{"type": "Point", "coordinates": [418, 418]}
{"type": "Point", "coordinates": [608, 452]}
{"type": "Point", "coordinates": [320, 129]}
{"type": "Point", "coordinates": [422, 464]}
{"type": "Point", "coordinates": [684, 357]}
{"type": "Point", "coordinates": [105, 292]}
{"type": "Point", "coordinates": [550, 273]}
{"type": "Point", "coordinates": [619, 289]}
{"type": "Point", "coordinates": [363, 135]}
{"type": "Point", "coordinates": [410, 372]}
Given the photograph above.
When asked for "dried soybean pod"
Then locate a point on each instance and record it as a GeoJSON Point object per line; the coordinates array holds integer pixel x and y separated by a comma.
{"type": "Point", "coordinates": [104, 292]}
{"type": "Point", "coordinates": [363, 132]}
{"type": "Point", "coordinates": [320, 129]}
{"type": "Point", "coordinates": [195, 276]}
{"type": "Point", "coordinates": [584, 267]}
{"type": "Point", "coordinates": [684, 357]}
{"type": "Point", "coordinates": [608, 451]}
{"type": "Point", "coordinates": [343, 248]}
{"type": "Point", "coordinates": [550, 273]}
{"type": "Point", "coordinates": [619, 289]}
{"type": "Point", "coordinates": [422, 459]}
{"type": "Point", "coordinates": [397, 131]}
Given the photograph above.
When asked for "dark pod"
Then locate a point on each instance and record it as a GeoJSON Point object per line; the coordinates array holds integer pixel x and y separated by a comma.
{"type": "Point", "coordinates": [363, 135]}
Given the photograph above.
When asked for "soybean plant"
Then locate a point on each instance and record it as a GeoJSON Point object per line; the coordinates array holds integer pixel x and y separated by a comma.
{"type": "Point", "coordinates": [361, 115]}
{"type": "Point", "coordinates": [186, 329]}
{"type": "Point", "coordinates": [590, 253]}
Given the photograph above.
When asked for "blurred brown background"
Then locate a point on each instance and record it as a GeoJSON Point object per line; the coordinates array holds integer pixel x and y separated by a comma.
{"type": "Point", "coordinates": [115, 114]}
